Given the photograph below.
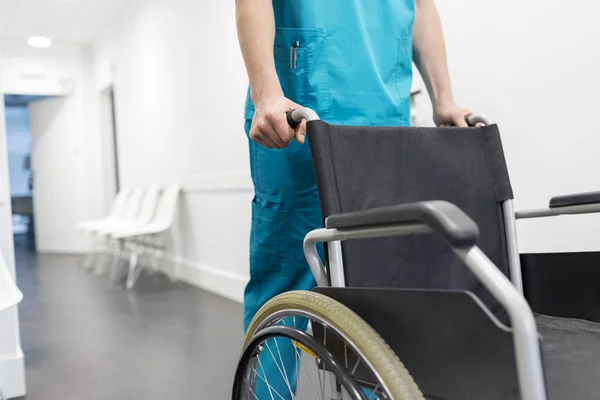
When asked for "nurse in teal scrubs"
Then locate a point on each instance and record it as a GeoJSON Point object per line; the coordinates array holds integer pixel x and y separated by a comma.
{"type": "Point", "coordinates": [351, 62]}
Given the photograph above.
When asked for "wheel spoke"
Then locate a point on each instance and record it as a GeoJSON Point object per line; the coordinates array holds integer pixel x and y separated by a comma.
{"type": "Point", "coordinates": [287, 380]}
{"type": "Point", "coordinates": [345, 354]}
{"type": "Point", "coordinates": [322, 367]}
{"type": "Point", "coordinates": [297, 356]}
{"type": "Point", "coordinates": [265, 375]}
{"type": "Point", "coordinates": [356, 366]}
{"type": "Point", "coordinates": [320, 380]}
{"type": "Point", "coordinates": [254, 394]}
{"type": "Point", "coordinates": [270, 387]}
{"type": "Point", "coordinates": [284, 376]}
{"type": "Point", "coordinates": [264, 379]}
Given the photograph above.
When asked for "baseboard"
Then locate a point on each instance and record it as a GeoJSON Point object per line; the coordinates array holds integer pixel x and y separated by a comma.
{"type": "Point", "coordinates": [65, 252]}
{"type": "Point", "coordinates": [12, 376]}
{"type": "Point", "coordinates": [207, 277]}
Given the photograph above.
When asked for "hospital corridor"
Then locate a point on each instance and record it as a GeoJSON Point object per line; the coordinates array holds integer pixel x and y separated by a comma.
{"type": "Point", "coordinates": [299, 200]}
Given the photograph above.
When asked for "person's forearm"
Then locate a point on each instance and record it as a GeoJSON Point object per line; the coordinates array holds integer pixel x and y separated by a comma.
{"type": "Point", "coordinates": [256, 33]}
{"type": "Point", "coordinates": [430, 52]}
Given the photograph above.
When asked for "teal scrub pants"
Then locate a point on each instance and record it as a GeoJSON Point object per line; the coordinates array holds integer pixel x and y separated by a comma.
{"type": "Point", "coordinates": [285, 208]}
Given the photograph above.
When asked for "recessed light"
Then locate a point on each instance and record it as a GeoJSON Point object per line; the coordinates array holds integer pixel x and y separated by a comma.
{"type": "Point", "coordinates": [39, 41]}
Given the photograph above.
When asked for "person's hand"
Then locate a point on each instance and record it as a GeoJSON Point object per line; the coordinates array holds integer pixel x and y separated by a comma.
{"type": "Point", "coordinates": [270, 127]}
{"type": "Point", "coordinates": [449, 114]}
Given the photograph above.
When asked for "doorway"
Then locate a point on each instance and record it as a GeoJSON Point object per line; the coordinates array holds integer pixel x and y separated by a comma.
{"type": "Point", "coordinates": [18, 141]}
{"type": "Point", "coordinates": [46, 156]}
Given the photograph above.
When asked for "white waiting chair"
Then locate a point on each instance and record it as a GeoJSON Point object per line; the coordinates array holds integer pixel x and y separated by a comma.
{"type": "Point", "coordinates": [145, 214]}
{"type": "Point", "coordinates": [10, 295]}
{"type": "Point", "coordinates": [129, 213]}
{"type": "Point", "coordinates": [134, 237]}
{"type": "Point", "coordinates": [116, 212]}
{"type": "Point", "coordinates": [147, 209]}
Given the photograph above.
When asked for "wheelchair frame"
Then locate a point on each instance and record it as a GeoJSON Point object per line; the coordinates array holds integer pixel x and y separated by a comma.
{"type": "Point", "coordinates": [510, 294]}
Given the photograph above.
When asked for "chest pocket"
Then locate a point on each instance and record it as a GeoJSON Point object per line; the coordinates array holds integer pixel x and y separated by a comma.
{"type": "Point", "coordinates": [301, 63]}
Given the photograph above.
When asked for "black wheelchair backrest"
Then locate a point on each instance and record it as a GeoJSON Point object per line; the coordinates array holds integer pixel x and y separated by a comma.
{"type": "Point", "coordinates": [359, 168]}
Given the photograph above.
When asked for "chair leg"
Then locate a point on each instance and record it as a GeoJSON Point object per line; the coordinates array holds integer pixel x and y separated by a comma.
{"type": "Point", "coordinates": [154, 257]}
{"type": "Point", "coordinates": [100, 267]}
{"type": "Point", "coordinates": [115, 258]}
{"type": "Point", "coordinates": [116, 271]}
{"type": "Point", "coordinates": [160, 260]}
{"type": "Point", "coordinates": [148, 255]}
{"type": "Point", "coordinates": [88, 262]}
{"type": "Point", "coordinates": [103, 254]}
{"type": "Point", "coordinates": [154, 253]}
{"type": "Point", "coordinates": [336, 388]}
{"type": "Point", "coordinates": [109, 249]}
{"type": "Point", "coordinates": [134, 270]}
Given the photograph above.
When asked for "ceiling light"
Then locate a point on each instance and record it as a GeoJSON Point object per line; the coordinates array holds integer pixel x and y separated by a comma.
{"type": "Point", "coordinates": [39, 41]}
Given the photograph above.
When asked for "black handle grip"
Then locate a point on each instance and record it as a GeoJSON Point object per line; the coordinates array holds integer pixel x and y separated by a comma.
{"type": "Point", "coordinates": [576, 199]}
{"type": "Point", "coordinates": [290, 119]}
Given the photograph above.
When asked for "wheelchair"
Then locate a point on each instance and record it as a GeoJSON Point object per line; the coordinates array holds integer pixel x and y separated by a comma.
{"type": "Point", "coordinates": [406, 315]}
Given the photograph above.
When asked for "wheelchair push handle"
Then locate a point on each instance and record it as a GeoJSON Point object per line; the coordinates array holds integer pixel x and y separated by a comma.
{"type": "Point", "coordinates": [294, 117]}
{"type": "Point", "coordinates": [474, 119]}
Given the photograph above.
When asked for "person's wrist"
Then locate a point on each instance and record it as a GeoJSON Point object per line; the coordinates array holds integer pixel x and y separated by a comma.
{"type": "Point", "coordinates": [444, 103]}
{"type": "Point", "coordinates": [266, 92]}
{"type": "Point", "coordinates": [266, 99]}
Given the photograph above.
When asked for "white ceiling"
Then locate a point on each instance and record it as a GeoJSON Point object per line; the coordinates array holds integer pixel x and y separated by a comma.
{"type": "Point", "coordinates": [76, 21]}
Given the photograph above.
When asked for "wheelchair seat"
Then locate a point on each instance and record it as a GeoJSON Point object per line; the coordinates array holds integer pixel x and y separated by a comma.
{"type": "Point", "coordinates": [572, 357]}
{"type": "Point", "coordinates": [361, 168]}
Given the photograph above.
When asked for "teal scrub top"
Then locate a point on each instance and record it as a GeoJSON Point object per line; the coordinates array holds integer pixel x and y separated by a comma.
{"type": "Point", "coordinates": [349, 60]}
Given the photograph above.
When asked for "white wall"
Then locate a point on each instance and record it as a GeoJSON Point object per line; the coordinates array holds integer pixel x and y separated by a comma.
{"type": "Point", "coordinates": [533, 68]}
{"type": "Point", "coordinates": [180, 86]}
{"type": "Point", "coordinates": [50, 71]}
{"type": "Point", "coordinates": [12, 370]}
{"type": "Point", "coordinates": [180, 89]}
{"type": "Point", "coordinates": [66, 70]}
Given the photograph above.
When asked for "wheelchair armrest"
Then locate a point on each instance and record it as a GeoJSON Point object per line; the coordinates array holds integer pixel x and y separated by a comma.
{"type": "Point", "coordinates": [442, 217]}
{"type": "Point", "coordinates": [576, 199]}
{"type": "Point", "coordinates": [572, 204]}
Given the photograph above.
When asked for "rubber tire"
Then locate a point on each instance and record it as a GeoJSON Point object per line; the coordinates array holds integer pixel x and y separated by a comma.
{"type": "Point", "coordinates": [374, 349]}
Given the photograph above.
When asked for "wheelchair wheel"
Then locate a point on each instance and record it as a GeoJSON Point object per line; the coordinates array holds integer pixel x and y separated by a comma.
{"type": "Point", "coordinates": [303, 345]}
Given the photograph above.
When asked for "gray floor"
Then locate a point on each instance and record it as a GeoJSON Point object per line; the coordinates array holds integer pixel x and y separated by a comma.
{"type": "Point", "coordinates": [87, 338]}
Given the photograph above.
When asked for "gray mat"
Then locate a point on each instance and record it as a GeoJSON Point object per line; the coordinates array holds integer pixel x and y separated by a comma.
{"type": "Point", "coordinates": [572, 357]}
